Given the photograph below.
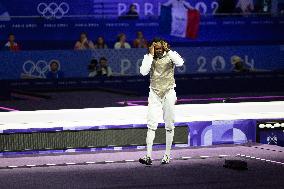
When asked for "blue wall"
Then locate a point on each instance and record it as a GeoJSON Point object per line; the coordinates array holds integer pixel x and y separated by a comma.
{"type": "Point", "coordinates": [38, 31]}
{"type": "Point", "coordinates": [127, 61]}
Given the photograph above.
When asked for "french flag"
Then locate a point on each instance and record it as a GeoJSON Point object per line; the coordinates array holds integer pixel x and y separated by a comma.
{"type": "Point", "coordinates": [180, 23]}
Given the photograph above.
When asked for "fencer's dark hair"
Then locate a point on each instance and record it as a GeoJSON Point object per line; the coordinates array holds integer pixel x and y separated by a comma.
{"type": "Point", "coordinates": [156, 40]}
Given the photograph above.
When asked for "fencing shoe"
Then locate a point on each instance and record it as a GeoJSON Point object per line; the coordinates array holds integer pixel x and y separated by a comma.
{"type": "Point", "coordinates": [166, 159]}
{"type": "Point", "coordinates": [145, 160]}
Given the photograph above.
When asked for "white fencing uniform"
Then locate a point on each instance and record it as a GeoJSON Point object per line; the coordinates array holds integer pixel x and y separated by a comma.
{"type": "Point", "coordinates": [162, 94]}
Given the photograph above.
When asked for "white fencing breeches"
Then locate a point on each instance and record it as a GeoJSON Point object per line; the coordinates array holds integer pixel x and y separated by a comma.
{"type": "Point", "coordinates": [166, 104]}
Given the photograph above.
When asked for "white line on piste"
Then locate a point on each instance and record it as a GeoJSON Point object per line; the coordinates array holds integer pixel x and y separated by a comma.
{"type": "Point", "coordinates": [31, 165]}
{"type": "Point", "coordinates": [70, 163]}
{"type": "Point", "coordinates": [109, 161]}
{"type": "Point", "coordinates": [262, 159]}
{"type": "Point", "coordinates": [12, 166]}
{"type": "Point", "coordinates": [129, 160]}
{"type": "Point", "coordinates": [50, 164]}
{"type": "Point", "coordinates": [223, 155]}
{"type": "Point", "coordinates": [90, 162]}
{"type": "Point", "coordinates": [204, 156]}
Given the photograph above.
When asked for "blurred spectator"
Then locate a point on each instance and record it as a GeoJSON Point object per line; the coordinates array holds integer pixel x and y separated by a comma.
{"type": "Point", "coordinates": [100, 44]}
{"type": "Point", "coordinates": [275, 7]}
{"type": "Point", "coordinates": [121, 42]}
{"type": "Point", "coordinates": [281, 8]}
{"type": "Point", "coordinates": [54, 72]}
{"type": "Point", "coordinates": [140, 41]}
{"type": "Point", "coordinates": [238, 64]}
{"type": "Point", "coordinates": [226, 6]}
{"type": "Point", "coordinates": [84, 43]}
{"type": "Point", "coordinates": [11, 45]}
{"type": "Point", "coordinates": [93, 68]}
{"type": "Point", "coordinates": [132, 13]}
{"type": "Point", "coordinates": [245, 6]}
{"type": "Point", "coordinates": [4, 15]}
{"type": "Point", "coordinates": [104, 69]}
{"type": "Point", "coordinates": [264, 6]}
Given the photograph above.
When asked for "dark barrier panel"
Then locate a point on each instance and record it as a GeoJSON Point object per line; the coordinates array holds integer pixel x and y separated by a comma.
{"type": "Point", "coordinates": [5, 92]}
{"type": "Point", "coordinates": [266, 82]}
{"type": "Point", "coordinates": [86, 139]}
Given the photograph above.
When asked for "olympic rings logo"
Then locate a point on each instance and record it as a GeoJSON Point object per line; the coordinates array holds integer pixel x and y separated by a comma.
{"type": "Point", "coordinates": [53, 10]}
{"type": "Point", "coordinates": [39, 68]}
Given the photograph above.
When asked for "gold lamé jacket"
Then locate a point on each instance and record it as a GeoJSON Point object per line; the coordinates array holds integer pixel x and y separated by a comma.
{"type": "Point", "coordinates": [162, 75]}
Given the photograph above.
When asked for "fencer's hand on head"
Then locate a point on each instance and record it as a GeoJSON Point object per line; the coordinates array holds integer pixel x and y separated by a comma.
{"type": "Point", "coordinates": [152, 49]}
{"type": "Point", "coordinates": [166, 46]}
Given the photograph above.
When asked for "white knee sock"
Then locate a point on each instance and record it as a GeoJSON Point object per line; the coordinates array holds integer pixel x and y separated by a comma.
{"type": "Point", "coordinates": [169, 140]}
{"type": "Point", "coordinates": [149, 140]}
